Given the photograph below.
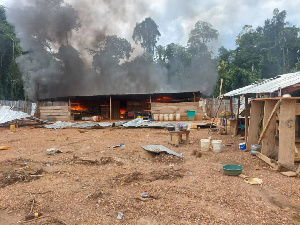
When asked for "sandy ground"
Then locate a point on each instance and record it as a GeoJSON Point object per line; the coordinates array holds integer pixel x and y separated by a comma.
{"type": "Point", "coordinates": [90, 183]}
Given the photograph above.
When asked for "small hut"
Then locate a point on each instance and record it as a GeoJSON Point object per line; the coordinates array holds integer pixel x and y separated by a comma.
{"type": "Point", "coordinates": [274, 118]}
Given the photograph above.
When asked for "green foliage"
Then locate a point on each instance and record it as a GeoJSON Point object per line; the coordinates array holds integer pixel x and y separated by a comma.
{"type": "Point", "coordinates": [261, 52]}
{"type": "Point", "coordinates": [146, 33]}
{"type": "Point", "coordinates": [111, 51]}
{"type": "Point", "coordinates": [202, 33]}
{"type": "Point", "coordinates": [11, 83]}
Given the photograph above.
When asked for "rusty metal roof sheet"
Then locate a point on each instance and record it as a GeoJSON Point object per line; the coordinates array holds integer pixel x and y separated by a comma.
{"type": "Point", "coordinates": [268, 85]}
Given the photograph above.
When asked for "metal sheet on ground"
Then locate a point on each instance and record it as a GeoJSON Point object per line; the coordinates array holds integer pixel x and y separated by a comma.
{"type": "Point", "coordinates": [159, 149]}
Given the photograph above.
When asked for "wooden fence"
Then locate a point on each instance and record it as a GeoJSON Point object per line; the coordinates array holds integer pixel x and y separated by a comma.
{"type": "Point", "coordinates": [212, 105]}
{"type": "Point", "coordinates": [23, 106]}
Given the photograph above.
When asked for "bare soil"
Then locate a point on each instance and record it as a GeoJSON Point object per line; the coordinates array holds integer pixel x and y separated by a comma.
{"type": "Point", "coordinates": [90, 183]}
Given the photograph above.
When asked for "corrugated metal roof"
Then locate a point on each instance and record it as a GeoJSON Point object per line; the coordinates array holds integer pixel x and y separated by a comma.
{"type": "Point", "coordinates": [160, 148]}
{"type": "Point", "coordinates": [6, 114]}
{"type": "Point", "coordinates": [268, 85]}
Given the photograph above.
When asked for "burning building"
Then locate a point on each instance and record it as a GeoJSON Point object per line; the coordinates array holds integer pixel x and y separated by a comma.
{"type": "Point", "coordinates": [125, 106]}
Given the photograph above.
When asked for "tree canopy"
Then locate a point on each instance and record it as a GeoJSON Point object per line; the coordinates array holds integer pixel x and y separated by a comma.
{"type": "Point", "coordinates": [146, 33]}
{"type": "Point", "coordinates": [262, 52]}
{"type": "Point", "coordinates": [11, 84]}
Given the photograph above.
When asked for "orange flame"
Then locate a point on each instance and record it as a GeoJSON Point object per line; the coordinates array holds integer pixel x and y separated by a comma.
{"type": "Point", "coordinates": [122, 112]}
{"type": "Point", "coordinates": [78, 107]}
{"type": "Point", "coordinates": [164, 99]}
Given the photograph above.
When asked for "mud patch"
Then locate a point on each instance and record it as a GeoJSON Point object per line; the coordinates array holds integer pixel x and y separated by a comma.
{"type": "Point", "coordinates": [166, 158]}
{"type": "Point", "coordinates": [297, 218]}
{"type": "Point", "coordinates": [123, 179]}
{"type": "Point", "coordinates": [95, 195]}
{"type": "Point", "coordinates": [13, 177]}
{"type": "Point", "coordinates": [166, 174]}
{"type": "Point", "coordinates": [97, 162]}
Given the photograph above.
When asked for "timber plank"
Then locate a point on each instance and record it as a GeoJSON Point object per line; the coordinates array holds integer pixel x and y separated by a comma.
{"type": "Point", "coordinates": [269, 161]}
{"type": "Point", "coordinates": [286, 154]}
{"type": "Point", "coordinates": [255, 115]}
{"type": "Point", "coordinates": [268, 142]}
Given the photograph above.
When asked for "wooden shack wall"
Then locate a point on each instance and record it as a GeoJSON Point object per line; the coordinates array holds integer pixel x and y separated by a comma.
{"type": "Point", "coordinates": [178, 108]}
{"type": "Point", "coordinates": [55, 113]}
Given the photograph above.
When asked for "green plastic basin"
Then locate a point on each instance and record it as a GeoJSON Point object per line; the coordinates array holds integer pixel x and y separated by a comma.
{"type": "Point", "coordinates": [232, 170]}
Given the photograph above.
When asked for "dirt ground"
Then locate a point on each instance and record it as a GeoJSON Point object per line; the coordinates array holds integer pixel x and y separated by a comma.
{"type": "Point", "coordinates": [90, 183]}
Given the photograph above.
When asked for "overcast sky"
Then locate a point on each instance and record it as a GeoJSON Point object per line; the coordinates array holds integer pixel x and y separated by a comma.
{"type": "Point", "coordinates": [176, 18]}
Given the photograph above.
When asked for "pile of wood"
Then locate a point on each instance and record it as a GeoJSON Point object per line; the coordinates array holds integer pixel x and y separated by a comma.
{"type": "Point", "coordinates": [55, 113]}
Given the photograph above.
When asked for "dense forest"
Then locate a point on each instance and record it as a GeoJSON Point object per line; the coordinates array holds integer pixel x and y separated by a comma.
{"type": "Point", "coordinates": [11, 84]}
{"type": "Point", "coordinates": [261, 52]}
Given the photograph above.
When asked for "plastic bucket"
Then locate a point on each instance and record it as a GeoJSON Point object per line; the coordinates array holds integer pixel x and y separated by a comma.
{"type": "Point", "coordinates": [155, 117]}
{"type": "Point", "coordinates": [205, 144]}
{"type": "Point", "coordinates": [217, 145]}
{"type": "Point", "coordinates": [177, 117]}
{"type": "Point", "coordinates": [242, 146]}
{"type": "Point", "coordinates": [191, 115]}
{"type": "Point", "coordinates": [166, 117]}
{"type": "Point", "coordinates": [161, 117]}
{"type": "Point", "coordinates": [171, 117]}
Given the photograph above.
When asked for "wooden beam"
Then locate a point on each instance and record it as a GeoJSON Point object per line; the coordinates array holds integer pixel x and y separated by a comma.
{"type": "Point", "coordinates": [270, 118]}
{"type": "Point", "coordinates": [268, 142]}
{"type": "Point", "coordinates": [286, 154]}
{"type": "Point", "coordinates": [110, 107]}
{"type": "Point", "coordinates": [297, 109]}
{"type": "Point", "coordinates": [254, 123]}
{"type": "Point", "coordinates": [269, 161]}
{"type": "Point", "coordinates": [237, 117]}
{"type": "Point", "coordinates": [246, 117]}
{"type": "Point", "coordinates": [230, 102]}
{"type": "Point", "coordinates": [212, 106]}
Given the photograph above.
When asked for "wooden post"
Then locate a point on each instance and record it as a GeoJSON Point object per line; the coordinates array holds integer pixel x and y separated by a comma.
{"type": "Point", "coordinates": [219, 102]}
{"type": "Point", "coordinates": [268, 142]}
{"type": "Point", "coordinates": [25, 105]}
{"type": "Point", "coordinates": [110, 107]}
{"type": "Point", "coordinates": [237, 117]}
{"type": "Point", "coordinates": [212, 107]}
{"type": "Point", "coordinates": [255, 117]}
{"type": "Point", "coordinates": [230, 102]}
{"type": "Point", "coordinates": [246, 117]}
{"type": "Point", "coordinates": [37, 109]}
{"type": "Point", "coordinates": [286, 154]}
{"type": "Point", "coordinates": [150, 103]}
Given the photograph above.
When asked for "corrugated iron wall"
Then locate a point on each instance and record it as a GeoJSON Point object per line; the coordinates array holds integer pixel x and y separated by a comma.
{"type": "Point", "coordinates": [22, 106]}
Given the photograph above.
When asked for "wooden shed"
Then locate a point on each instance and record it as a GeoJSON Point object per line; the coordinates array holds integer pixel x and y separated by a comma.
{"type": "Point", "coordinates": [126, 106]}
{"type": "Point", "coordinates": [274, 117]}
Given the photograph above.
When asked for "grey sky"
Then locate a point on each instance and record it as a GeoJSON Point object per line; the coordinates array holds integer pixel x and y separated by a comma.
{"type": "Point", "coordinates": [176, 18]}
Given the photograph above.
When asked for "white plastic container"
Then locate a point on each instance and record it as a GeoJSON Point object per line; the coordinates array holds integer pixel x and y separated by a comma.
{"type": "Point", "coordinates": [155, 117]}
{"type": "Point", "coordinates": [205, 144]}
{"type": "Point", "coordinates": [171, 117]}
{"type": "Point", "coordinates": [161, 117]}
{"type": "Point", "coordinates": [217, 145]}
{"type": "Point", "coordinates": [166, 117]}
{"type": "Point", "coordinates": [177, 117]}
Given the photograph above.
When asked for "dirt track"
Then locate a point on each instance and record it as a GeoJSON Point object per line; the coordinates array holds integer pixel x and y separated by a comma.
{"type": "Point", "coordinates": [90, 183]}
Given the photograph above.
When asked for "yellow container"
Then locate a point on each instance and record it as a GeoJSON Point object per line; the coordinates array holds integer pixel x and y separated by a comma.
{"type": "Point", "coordinates": [12, 128]}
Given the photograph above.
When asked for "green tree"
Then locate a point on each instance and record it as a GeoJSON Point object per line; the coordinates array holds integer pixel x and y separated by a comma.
{"type": "Point", "coordinates": [11, 84]}
{"type": "Point", "coordinates": [262, 52]}
{"type": "Point", "coordinates": [202, 34]}
{"type": "Point", "coordinates": [146, 33]}
{"type": "Point", "coordinates": [111, 51]}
